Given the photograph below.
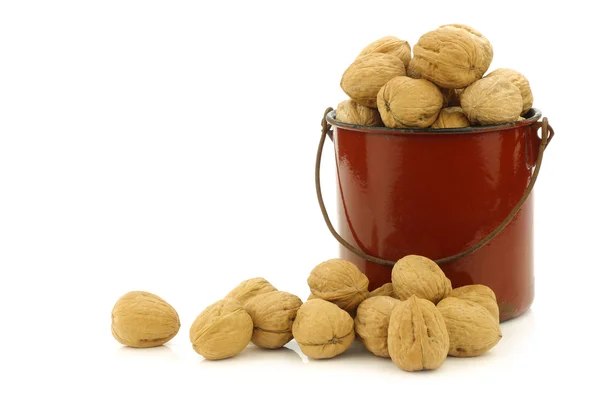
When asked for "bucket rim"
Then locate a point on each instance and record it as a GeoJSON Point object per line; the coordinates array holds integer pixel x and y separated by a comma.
{"type": "Point", "coordinates": [533, 115]}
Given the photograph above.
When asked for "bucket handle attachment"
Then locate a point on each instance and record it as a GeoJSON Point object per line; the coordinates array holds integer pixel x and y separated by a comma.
{"type": "Point", "coordinates": [547, 134]}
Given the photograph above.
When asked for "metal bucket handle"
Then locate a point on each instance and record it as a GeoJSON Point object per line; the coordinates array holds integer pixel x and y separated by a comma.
{"type": "Point", "coordinates": [547, 134]}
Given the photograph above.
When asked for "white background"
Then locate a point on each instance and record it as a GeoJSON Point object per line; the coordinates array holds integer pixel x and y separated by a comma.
{"type": "Point", "coordinates": [169, 147]}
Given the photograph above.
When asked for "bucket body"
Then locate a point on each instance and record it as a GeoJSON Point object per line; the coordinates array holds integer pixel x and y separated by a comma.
{"type": "Point", "coordinates": [436, 194]}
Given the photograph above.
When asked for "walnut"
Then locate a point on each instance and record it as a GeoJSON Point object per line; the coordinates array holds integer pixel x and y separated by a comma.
{"type": "Point", "coordinates": [340, 282]}
{"type": "Point", "coordinates": [222, 330]}
{"type": "Point", "coordinates": [273, 314]}
{"type": "Point", "coordinates": [351, 112]}
{"type": "Point", "coordinates": [372, 323]}
{"type": "Point", "coordinates": [406, 102]}
{"type": "Point", "coordinates": [390, 45]}
{"type": "Point", "coordinates": [420, 276]}
{"type": "Point", "coordinates": [322, 329]}
{"type": "Point", "coordinates": [367, 74]}
{"type": "Point", "coordinates": [451, 117]}
{"type": "Point", "coordinates": [471, 328]}
{"type": "Point", "coordinates": [492, 101]}
{"type": "Point", "coordinates": [142, 319]}
{"type": "Point", "coordinates": [519, 80]}
{"type": "Point", "coordinates": [250, 288]}
{"type": "Point", "coordinates": [481, 295]}
{"type": "Point", "coordinates": [417, 336]}
{"type": "Point", "coordinates": [452, 56]}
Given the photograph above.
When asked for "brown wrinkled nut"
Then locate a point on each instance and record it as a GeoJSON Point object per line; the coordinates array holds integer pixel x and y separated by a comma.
{"type": "Point", "coordinates": [367, 74]}
{"type": "Point", "coordinates": [222, 330]}
{"type": "Point", "coordinates": [519, 80]}
{"type": "Point", "coordinates": [142, 319]}
{"type": "Point", "coordinates": [452, 56]}
{"type": "Point", "coordinates": [390, 45]}
{"type": "Point", "coordinates": [492, 101]}
{"type": "Point", "coordinates": [387, 289]}
{"type": "Point", "coordinates": [273, 314]}
{"type": "Point", "coordinates": [471, 328]}
{"type": "Point", "coordinates": [311, 297]}
{"type": "Point", "coordinates": [420, 276]}
{"type": "Point", "coordinates": [372, 323]}
{"type": "Point", "coordinates": [351, 112]}
{"type": "Point", "coordinates": [407, 102]}
{"type": "Point", "coordinates": [340, 282]}
{"type": "Point", "coordinates": [451, 117]}
{"type": "Point", "coordinates": [322, 329]}
{"type": "Point", "coordinates": [411, 71]}
{"type": "Point", "coordinates": [417, 336]}
{"type": "Point", "coordinates": [250, 288]}
{"type": "Point", "coordinates": [481, 295]}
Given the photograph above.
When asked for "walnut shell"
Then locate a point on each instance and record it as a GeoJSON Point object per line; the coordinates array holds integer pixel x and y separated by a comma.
{"type": "Point", "coordinates": [492, 101]}
{"type": "Point", "coordinates": [519, 80]}
{"type": "Point", "coordinates": [340, 282]}
{"type": "Point", "coordinates": [351, 112]}
{"type": "Point", "coordinates": [481, 295]}
{"type": "Point", "coordinates": [222, 330]}
{"type": "Point", "coordinates": [367, 74]}
{"type": "Point", "coordinates": [417, 335]}
{"type": "Point", "coordinates": [407, 102]}
{"type": "Point", "coordinates": [452, 56]}
{"type": "Point", "coordinates": [322, 329]}
{"type": "Point", "coordinates": [372, 322]}
{"type": "Point", "coordinates": [250, 288]}
{"type": "Point", "coordinates": [273, 314]}
{"type": "Point", "coordinates": [387, 289]}
{"type": "Point", "coordinates": [420, 276]}
{"type": "Point", "coordinates": [471, 328]}
{"type": "Point", "coordinates": [142, 319]}
{"type": "Point", "coordinates": [390, 45]}
{"type": "Point", "coordinates": [451, 117]}
{"type": "Point", "coordinates": [411, 70]}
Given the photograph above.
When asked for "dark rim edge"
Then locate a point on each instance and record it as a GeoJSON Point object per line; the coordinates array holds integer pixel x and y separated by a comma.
{"type": "Point", "coordinates": [536, 115]}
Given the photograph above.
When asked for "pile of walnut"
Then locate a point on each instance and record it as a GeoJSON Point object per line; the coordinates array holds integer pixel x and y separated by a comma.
{"type": "Point", "coordinates": [442, 86]}
{"type": "Point", "coordinates": [417, 320]}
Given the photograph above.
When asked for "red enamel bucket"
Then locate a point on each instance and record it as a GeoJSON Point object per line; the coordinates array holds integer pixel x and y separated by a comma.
{"type": "Point", "coordinates": [462, 197]}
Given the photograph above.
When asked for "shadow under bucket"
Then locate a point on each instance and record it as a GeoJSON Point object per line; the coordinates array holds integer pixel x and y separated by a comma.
{"type": "Point", "coordinates": [462, 197]}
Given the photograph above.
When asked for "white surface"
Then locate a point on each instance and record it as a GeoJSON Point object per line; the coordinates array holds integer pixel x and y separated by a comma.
{"type": "Point", "coordinates": [169, 147]}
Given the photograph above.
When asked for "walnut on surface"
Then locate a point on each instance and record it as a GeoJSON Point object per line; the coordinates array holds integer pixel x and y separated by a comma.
{"type": "Point", "coordinates": [340, 282]}
{"type": "Point", "coordinates": [372, 322]}
{"type": "Point", "coordinates": [273, 314]}
{"type": "Point", "coordinates": [222, 330]}
{"type": "Point", "coordinates": [322, 329]}
{"type": "Point", "coordinates": [250, 288]}
{"type": "Point", "coordinates": [420, 276]}
{"type": "Point", "coordinates": [471, 327]}
{"type": "Point", "coordinates": [142, 319]}
{"type": "Point", "coordinates": [417, 336]}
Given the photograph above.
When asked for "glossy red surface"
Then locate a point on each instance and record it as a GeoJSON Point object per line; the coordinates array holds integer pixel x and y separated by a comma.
{"type": "Point", "coordinates": [436, 195]}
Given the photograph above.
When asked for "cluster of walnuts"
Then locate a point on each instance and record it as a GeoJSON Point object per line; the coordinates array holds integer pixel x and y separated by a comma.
{"type": "Point", "coordinates": [417, 320]}
{"type": "Point", "coordinates": [442, 86]}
